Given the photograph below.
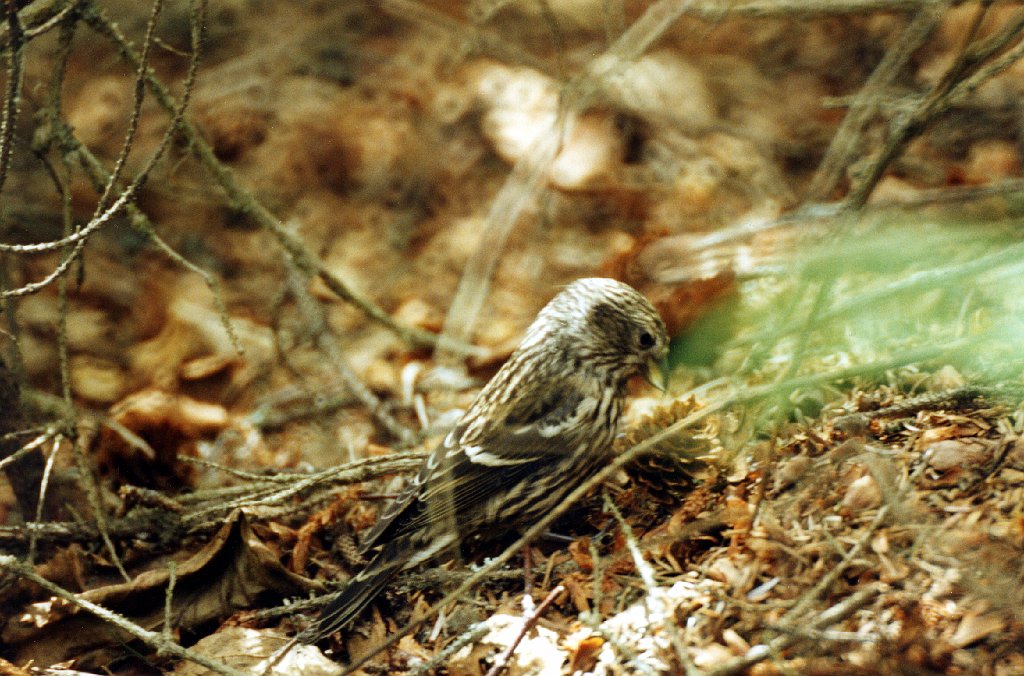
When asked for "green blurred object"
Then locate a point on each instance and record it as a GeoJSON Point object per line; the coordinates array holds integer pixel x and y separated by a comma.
{"type": "Point", "coordinates": [704, 342]}
{"type": "Point", "coordinates": [843, 302]}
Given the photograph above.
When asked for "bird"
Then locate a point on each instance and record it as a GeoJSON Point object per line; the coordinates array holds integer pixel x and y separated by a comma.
{"type": "Point", "coordinates": [543, 424]}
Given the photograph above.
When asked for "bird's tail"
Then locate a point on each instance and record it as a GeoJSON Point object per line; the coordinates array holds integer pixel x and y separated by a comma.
{"type": "Point", "coordinates": [361, 591]}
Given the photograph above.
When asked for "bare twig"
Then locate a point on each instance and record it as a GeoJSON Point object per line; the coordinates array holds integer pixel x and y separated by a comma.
{"type": "Point", "coordinates": [40, 25]}
{"type": "Point", "coordinates": [204, 509]}
{"type": "Point", "coordinates": [963, 76]}
{"type": "Point", "coordinates": [38, 18]}
{"type": "Point", "coordinates": [244, 200]}
{"type": "Point", "coordinates": [711, 9]}
{"type": "Point", "coordinates": [597, 576]}
{"type": "Point", "coordinates": [472, 635]}
{"type": "Point", "coordinates": [865, 106]}
{"type": "Point", "coordinates": [830, 616]}
{"type": "Point", "coordinates": [150, 638]}
{"type": "Point", "coordinates": [98, 175]}
{"type": "Point", "coordinates": [313, 319]}
{"type": "Point", "coordinates": [823, 585]}
{"type": "Point", "coordinates": [44, 484]}
{"type": "Point", "coordinates": [12, 94]}
{"type": "Point", "coordinates": [350, 473]}
{"type": "Point", "coordinates": [27, 448]}
{"type": "Point", "coordinates": [654, 599]}
{"type": "Point", "coordinates": [133, 119]}
{"type": "Point", "coordinates": [502, 662]}
{"type": "Point", "coordinates": [172, 580]}
{"type": "Point", "coordinates": [91, 488]}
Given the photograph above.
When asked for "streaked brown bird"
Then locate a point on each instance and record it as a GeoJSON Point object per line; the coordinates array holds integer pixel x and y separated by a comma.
{"type": "Point", "coordinates": [541, 426]}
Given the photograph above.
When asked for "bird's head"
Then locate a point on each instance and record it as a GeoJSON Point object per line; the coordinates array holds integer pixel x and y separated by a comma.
{"type": "Point", "coordinates": [604, 326]}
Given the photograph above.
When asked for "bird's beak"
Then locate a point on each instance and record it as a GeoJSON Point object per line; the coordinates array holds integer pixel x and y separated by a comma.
{"type": "Point", "coordinates": [656, 373]}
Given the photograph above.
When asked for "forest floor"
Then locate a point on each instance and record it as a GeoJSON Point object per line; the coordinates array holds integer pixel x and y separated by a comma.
{"type": "Point", "coordinates": [225, 344]}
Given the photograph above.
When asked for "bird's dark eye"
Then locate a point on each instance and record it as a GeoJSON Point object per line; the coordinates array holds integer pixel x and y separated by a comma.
{"type": "Point", "coordinates": [646, 341]}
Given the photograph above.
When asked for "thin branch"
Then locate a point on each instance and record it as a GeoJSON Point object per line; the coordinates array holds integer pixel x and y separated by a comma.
{"type": "Point", "coordinates": [27, 448]}
{"type": "Point", "coordinates": [137, 99]}
{"type": "Point", "coordinates": [246, 201]}
{"type": "Point", "coordinates": [957, 83]}
{"type": "Point", "coordinates": [865, 106]}
{"type": "Point", "coordinates": [43, 486]}
{"type": "Point", "coordinates": [351, 473]}
{"type": "Point", "coordinates": [150, 638]}
{"type": "Point", "coordinates": [131, 190]}
{"type": "Point", "coordinates": [829, 617]}
{"type": "Point", "coordinates": [472, 635]}
{"type": "Point", "coordinates": [654, 599]}
{"type": "Point", "coordinates": [172, 580]}
{"type": "Point", "coordinates": [531, 620]}
{"type": "Point", "coordinates": [204, 510]}
{"type": "Point", "coordinates": [92, 489]}
{"type": "Point", "coordinates": [12, 95]}
{"type": "Point", "coordinates": [314, 321]}
{"type": "Point", "coordinates": [44, 24]}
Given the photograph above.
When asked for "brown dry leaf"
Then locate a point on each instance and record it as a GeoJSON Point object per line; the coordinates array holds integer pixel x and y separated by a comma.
{"type": "Point", "coordinates": [584, 655]}
{"type": "Point", "coordinates": [66, 568]}
{"type": "Point", "coordinates": [949, 427]}
{"type": "Point", "coordinates": [370, 635]}
{"type": "Point", "coordinates": [8, 669]}
{"type": "Point", "coordinates": [711, 655]}
{"type": "Point", "coordinates": [208, 366]}
{"type": "Point", "coordinates": [957, 453]}
{"type": "Point", "coordinates": [323, 519]}
{"type": "Point", "coordinates": [234, 570]}
{"type": "Point", "coordinates": [579, 588]}
{"type": "Point", "coordinates": [726, 570]}
{"type": "Point", "coordinates": [248, 649]}
{"type": "Point", "coordinates": [975, 626]}
{"type": "Point", "coordinates": [579, 549]}
{"type": "Point", "coordinates": [863, 493]}
{"type": "Point", "coordinates": [99, 380]}
{"type": "Point", "coordinates": [168, 425]}
{"type": "Point", "coordinates": [411, 646]}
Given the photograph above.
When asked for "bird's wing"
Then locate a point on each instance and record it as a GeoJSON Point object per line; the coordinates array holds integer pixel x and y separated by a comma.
{"type": "Point", "coordinates": [405, 506]}
{"type": "Point", "coordinates": [474, 464]}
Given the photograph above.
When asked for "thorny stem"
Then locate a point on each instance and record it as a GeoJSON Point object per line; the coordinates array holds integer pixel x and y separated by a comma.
{"type": "Point", "coordinates": [138, 97]}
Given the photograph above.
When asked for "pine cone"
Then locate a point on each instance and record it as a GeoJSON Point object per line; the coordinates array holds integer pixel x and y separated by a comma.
{"type": "Point", "coordinates": [672, 468]}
